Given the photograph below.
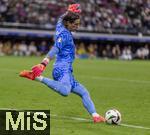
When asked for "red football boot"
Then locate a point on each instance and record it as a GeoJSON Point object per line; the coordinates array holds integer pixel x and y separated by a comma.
{"type": "Point", "coordinates": [27, 74]}
{"type": "Point", "coordinates": [98, 119]}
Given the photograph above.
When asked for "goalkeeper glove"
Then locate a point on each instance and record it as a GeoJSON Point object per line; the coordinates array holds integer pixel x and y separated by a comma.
{"type": "Point", "coordinates": [75, 8]}
{"type": "Point", "coordinates": [39, 68]}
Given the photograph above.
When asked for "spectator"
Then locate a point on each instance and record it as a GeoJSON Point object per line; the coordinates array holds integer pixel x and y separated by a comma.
{"type": "Point", "coordinates": [7, 48]}
{"type": "Point", "coordinates": [15, 49]}
{"type": "Point", "coordinates": [43, 49]}
{"type": "Point", "coordinates": [1, 49]}
{"type": "Point", "coordinates": [92, 50]}
{"type": "Point", "coordinates": [81, 51]}
{"type": "Point", "coordinates": [23, 49]}
{"type": "Point", "coordinates": [146, 52]}
{"type": "Point", "coordinates": [107, 52]}
{"type": "Point", "coordinates": [32, 49]}
{"type": "Point", "coordinates": [143, 52]}
{"type": "Point", "coordinates": [116, 52]}
{"type": "Point", "coordinates": [126, 53]}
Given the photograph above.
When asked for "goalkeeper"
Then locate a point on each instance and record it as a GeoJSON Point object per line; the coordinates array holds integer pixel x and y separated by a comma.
{"type": "Point", "coordinates": [64, 48]}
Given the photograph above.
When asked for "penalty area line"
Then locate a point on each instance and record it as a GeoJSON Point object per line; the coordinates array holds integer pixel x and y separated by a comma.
{"type": "Point", "coordinates": [79, 119]}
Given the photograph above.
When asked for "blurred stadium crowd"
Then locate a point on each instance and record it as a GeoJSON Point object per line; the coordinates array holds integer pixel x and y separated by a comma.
{"type": "Point", "coordinates": [131, 17]}
{"type": "Point", "coordinates": [110, 16]}
{"type": "Point", "coordinates": [92, 50]}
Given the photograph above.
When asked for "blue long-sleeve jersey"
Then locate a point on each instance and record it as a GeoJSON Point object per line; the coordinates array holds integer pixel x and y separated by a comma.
{"type": "Point", "coordinates": [64, 47]}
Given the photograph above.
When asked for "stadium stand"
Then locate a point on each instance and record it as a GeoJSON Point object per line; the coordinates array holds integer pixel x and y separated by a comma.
{"type": "Point", "coordinates": [109, 16]}
{"type": "Point", "coordinates": [109, 28]}
{"type": "Point", "coordinates": [84, 50]}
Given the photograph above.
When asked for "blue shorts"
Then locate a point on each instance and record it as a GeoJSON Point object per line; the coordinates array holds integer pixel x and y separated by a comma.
{"type": "Point", "coordinates": [64, 76]}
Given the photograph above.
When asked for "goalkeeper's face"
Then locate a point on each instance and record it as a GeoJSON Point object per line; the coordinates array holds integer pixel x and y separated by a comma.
{"type": "Point", "coordinates": [74, 25]}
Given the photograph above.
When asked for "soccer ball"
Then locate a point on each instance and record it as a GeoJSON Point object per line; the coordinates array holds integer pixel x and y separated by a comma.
{"type": "Point", "coordinates": [113, 116]}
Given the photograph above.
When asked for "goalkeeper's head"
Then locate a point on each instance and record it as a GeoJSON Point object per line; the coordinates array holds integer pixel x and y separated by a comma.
{"type": "Point", "coordinates": [71, 21]}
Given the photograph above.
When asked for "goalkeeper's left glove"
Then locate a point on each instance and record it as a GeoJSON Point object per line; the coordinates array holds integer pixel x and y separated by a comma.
{"type": "Point", "coordinates": [75, 8]}
{"type": "Point", "coordinates": [39, 68]}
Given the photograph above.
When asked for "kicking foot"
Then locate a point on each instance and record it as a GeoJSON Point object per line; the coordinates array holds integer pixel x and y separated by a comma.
{"type": "Point", "coordinates": [27, 74]}
{"type": "Point", "coordinates": [98, 119]}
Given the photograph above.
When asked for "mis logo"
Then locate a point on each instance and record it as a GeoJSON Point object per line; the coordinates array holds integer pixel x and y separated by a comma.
{"type": "Point", "coordinates": [26, 122]}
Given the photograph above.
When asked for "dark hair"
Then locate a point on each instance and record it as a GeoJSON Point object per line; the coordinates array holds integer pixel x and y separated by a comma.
{"type": "Point", "coordinates": [70, 17]}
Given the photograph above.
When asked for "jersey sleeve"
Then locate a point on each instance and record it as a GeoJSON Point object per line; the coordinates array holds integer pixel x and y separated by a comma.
{"type": "Point", "coordinates": [60, 21]}
{"type": "Point", "coordinates": [51, 54]}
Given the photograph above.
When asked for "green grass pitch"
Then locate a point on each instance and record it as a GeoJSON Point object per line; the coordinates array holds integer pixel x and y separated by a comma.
{"type": "Point", "coordinates": [124, 85]}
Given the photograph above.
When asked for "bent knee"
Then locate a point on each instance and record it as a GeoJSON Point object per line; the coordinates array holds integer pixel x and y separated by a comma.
{"type": "Point", "coordinates": [65, 94]}
{"type": "Point", "coordinates": [66, 91]}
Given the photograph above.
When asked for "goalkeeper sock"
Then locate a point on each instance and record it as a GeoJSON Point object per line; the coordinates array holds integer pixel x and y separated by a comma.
{"type": "Point", "coordinates": [87, 101]}
{"type": "Point", "coordinates": [39, 78]}
{"type": "Point", "coordinates": [95, 114]}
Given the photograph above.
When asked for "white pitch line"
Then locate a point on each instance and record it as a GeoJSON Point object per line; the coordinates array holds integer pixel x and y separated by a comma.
{"type": "Point", "coordinates": [115, 79]}
{"type": "Point", "coordinates": [133, 126]}
{"type": "Point", "coordinates": [81, 119]}
{"type": "Point", "coordinates": [71, 118]}
{"type": "Point", "coordinates": [89, 120]}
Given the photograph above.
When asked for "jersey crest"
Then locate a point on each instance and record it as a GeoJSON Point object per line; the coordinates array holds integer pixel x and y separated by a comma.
{"type": "Point", "coordinates": [59, 40]}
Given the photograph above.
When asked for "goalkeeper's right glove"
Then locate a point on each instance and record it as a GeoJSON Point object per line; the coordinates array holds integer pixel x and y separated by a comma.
{"type": "Point", "coordinates": [39, 68]}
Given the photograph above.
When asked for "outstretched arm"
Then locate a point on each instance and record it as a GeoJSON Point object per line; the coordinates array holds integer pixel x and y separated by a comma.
{"type": "Point", "coordinates": [38, 69]}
